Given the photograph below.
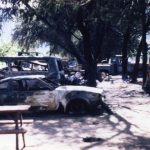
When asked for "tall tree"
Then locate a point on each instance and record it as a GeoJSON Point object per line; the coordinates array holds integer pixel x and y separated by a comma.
{"type": "Point", "coordinates": [79, 27]}
{"type": "Point", "coordinates": [128, 22]}
{"type": "Point", "coordinates": [143, 13]}
{"type": "Point", "coordinates": [144, 44]}
{"type": "Point", "coordinates": [90, 30]}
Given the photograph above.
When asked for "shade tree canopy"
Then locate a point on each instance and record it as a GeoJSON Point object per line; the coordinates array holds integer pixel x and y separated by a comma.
{"type": "Point", "coordinates": [89, 30]}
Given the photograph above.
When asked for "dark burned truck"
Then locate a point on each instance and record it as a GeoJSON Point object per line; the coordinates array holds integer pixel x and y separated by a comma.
{"type": "Point", "coordinates": [29, 65]}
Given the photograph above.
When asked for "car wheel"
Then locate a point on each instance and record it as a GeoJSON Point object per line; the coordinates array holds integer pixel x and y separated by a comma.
{"type": "Point", "coordinates": [77, 107]}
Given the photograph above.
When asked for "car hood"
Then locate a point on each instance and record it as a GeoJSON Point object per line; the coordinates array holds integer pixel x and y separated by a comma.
{"type": "Point", "coordinates": [79, 88]}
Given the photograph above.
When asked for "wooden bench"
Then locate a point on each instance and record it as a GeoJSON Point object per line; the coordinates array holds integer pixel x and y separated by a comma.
{"type": "Point", "coordinates": [26, 121]}
{"type": "Point", "coordinates": [17, 111]}
{"type": "Point", "coordinates": [15, 131]}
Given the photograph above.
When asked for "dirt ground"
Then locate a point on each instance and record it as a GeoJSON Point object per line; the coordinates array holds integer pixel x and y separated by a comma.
{"type": "Point", "coordinates": [127, 129]}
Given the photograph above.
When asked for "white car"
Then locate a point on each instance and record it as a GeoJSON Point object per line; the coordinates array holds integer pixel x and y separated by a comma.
{"type": "Point", "coordinates": [40, 92]}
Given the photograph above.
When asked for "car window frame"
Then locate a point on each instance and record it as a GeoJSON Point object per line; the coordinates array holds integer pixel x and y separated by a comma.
{"type": "Point", "coordinates": [52, 66]}
{"type": "Point", "coordinates": [7, 89]}
{"type": "Point", "coordinates": [11, 85]}
{"type": "Point", "coordinates": [38, 89]}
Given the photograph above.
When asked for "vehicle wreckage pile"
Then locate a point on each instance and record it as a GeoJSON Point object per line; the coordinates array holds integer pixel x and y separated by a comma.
{"type": "Point", "coordinates": [43, 83]}
{"type": "Point", "coordinates": [36, 81]}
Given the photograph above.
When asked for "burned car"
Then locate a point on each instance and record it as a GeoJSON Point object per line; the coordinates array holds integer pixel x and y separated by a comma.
{"type": "Point", "coordinates": [40, 92]}
{"type": "Point", "coordinates": [29, 65]}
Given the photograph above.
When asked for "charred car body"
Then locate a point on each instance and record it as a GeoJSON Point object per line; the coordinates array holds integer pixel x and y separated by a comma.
{"type": "Point", "coordinates": [40, 92]}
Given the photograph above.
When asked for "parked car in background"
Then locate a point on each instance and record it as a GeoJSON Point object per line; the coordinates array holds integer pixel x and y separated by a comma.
{"type": "Point", "coordinates": [43, 93]}
{"type": "Point", "coordinates": [114, 65]}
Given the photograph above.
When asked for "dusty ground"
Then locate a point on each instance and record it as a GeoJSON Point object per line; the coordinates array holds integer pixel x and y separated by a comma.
{"type": "Point", "coordinates": [127, 129]}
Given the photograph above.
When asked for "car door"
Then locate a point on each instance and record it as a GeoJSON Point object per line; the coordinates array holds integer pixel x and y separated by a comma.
{"type": "Point", "coordinates": [18, 93]}
{"type": "Point", "coordinates": [5, 93]}
{"type": "Point", "coordinates": [39, 94]}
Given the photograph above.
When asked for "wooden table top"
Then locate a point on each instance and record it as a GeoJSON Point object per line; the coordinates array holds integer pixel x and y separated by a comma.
{"type": "Point", "coordinates": [14, 108]}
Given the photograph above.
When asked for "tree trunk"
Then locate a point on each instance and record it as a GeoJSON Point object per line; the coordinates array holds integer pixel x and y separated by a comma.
{"type": "Point", "coordinates": [146, 87]}
{"type": "Point", "coordinates": [90, 62]}
{"type": "Point", "coordinates": [141, 46]}
{"type": "Point", "coordinates": [91, 73]}
{"type": "Point", "coordinates": [91, 66]}
{"type": "Point", "coordinates": [136, 66]}
{"type": "Point", "coordinates": [125, 54]}
{"type": "Point", "coordinates": [144, 45]}
{"type": "Point", "coordinates": [144, 59]}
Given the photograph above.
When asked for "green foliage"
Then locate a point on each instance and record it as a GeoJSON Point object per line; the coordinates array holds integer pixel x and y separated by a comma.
{"type": "Point", "coordinates": [90, 30]}
{"type": "Point", "coordinates": [55, 22]}
{"type": "Point", "coordinates": [9, 49]}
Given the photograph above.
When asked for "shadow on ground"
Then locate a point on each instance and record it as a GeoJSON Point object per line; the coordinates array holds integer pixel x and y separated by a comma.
{"type": "Point", "coordinates": [99, 130]}
{"type": "Point", "coordinates": [130, 141]}
{"type": "Point", "coordinates": [110, 130]}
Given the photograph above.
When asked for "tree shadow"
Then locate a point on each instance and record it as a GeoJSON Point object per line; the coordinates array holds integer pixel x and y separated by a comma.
{"type": "Point", "coordinates": [131, 142]}
{"type": "Point", "coordinates": [73, 129]}
{"type": "Point", "coordinates": [63, 128]}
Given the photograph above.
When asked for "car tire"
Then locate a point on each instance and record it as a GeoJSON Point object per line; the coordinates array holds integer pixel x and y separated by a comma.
{"type": "Point", "coordinates": [77, 106]}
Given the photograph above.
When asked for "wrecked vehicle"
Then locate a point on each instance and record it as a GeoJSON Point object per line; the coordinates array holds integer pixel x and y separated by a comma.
{"type": "Point", "coordinates": [114, 65]}
{"type": "Point", "coordinates": [42, 93]}
{"type": "Point", "coordinates": [29, 65]}
{"type": "Point", "coordinates": [76, 78]}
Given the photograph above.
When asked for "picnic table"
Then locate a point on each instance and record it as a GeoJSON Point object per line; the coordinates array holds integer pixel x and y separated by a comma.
{"type": "Point", "coordinates": [15, 111]}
